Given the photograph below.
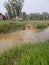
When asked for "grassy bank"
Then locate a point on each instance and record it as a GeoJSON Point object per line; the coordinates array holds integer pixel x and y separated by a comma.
{"type": "Point", "coordinates": [27, 54]}
{"type": "Point", "coordinates": [8, 26]}
{"type": "Point", "coordinates": [39, 24]}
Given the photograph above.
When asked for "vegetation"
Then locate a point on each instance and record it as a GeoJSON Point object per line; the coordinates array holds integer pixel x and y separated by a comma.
{"type": "Point", "coordinates": [8, 26]}
{"type": "Point", "coordinates": [35, 53]}
{"type": "Point", "coordinates": [0, 13]}
{"type": "Point", "coordinates": [40, 25]}
{"type": "Point", "coordinates": [24, 16]}
{"type": "Point", "coordinates": [38, 16]}
{"type": "Point", "coordinates": [14, 7]}
{"type": "Point", "coordinates": [27, 54]}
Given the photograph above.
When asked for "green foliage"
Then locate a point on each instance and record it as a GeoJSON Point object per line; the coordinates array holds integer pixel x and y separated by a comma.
{"type": "Point", "coordinates": [8, 26]}
{"type": "Point", "coordinates": [39, 16]}
{"type": "Point", "coordinates": [27, 54]}
{"type": "Point", "coordinates": [40, 25]}
{"type": "Point", "coordinates": [14, 7]}
{"type": "Point", "coordinates": [24, 15]}
{"type": "Point", "coordinates": [0, 13]}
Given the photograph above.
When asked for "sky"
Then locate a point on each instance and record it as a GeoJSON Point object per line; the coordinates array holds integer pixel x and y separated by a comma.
{"type": "Point", "coordinates": [30, 6]}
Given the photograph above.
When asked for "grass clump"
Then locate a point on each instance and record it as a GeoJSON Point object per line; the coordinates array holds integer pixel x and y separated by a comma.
{"type": "Point", "coordinates": [27, 54]}
{"type": "Point", "coordinates": [8, 26]}
{"type": "Point", "coordinates": [40, 25]}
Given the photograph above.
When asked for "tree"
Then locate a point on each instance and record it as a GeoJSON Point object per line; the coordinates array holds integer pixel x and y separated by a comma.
{"type": "Point", "coordinates": [39, 16]}
{"type": "Point", "coordinates": [0, 13]}
{"type": "Point", "coordinates": [8, 8]}
{"type": "Point", "coordinates": [14, 7]}
{"type": "Point", "coordinates": [24, 15]}
{"type": "Point", "coordinates": [46, 15]}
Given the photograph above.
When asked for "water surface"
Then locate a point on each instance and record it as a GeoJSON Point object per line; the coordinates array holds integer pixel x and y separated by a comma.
{"type": "Point", "coordinates": [20, 36]}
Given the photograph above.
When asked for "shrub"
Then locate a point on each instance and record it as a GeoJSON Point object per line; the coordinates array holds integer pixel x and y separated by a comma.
{"type": "Point", "coordinates": [41, 26]}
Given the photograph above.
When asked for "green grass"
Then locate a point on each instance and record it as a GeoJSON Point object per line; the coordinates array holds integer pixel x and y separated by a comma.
{"type": "Point", "coordinates": [26, 54]}
{"type": "Point", "coordinates": [39, 25]}
{"type": "Point", "coordinates": [8, 26]}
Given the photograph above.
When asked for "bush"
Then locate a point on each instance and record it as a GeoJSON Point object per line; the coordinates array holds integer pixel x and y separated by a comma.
{"type": "Point", "coordinates": [41, 26]}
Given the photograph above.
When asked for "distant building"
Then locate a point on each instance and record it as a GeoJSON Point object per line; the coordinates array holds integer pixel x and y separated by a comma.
{"type": "Point", "coordinates": [7, 16]}
{"type": "Point", "coordinates": [4, 17]}
{"type": "Point", "coordinates": [20, 19]}
{"type": "Point", "coordinates": [17, 18]}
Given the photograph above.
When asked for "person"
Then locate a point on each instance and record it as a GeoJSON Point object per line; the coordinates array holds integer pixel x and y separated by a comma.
{"type": "Point", "coordinates": [17, 18]}
{"type": "Point", "coordinates": [24, 28]}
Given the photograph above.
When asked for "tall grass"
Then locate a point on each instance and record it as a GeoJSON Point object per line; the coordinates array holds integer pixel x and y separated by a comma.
{"type": "Point", "coordinates": [8, 26]}
{"type": "Point", "coordinates": [26, 54]}
{"type": "Point", "coordinates": [40, 25]}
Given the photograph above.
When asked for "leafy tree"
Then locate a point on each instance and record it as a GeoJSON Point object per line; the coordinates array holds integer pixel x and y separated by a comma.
{"type": "Point", "coordinates": [14, 7]}
{"type": "Point", "coordinates": [39, 16]}
{"type": "Point", "coordinates": [24, 16]}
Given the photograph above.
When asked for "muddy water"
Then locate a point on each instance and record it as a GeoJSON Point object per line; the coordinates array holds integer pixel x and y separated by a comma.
{"type": "Point", "coordinates": [20, 36]}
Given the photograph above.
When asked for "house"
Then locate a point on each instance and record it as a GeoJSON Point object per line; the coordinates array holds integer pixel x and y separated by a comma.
{"type": "Point", "coordinates": [4, 17]}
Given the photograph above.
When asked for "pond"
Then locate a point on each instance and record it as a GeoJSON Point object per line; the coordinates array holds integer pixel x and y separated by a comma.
{"type": "Point", "coordinates": [20, 36]}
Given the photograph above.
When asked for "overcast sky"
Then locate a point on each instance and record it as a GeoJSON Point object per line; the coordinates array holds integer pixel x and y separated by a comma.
{"type": "Point", "coordinates": [30, 6]}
